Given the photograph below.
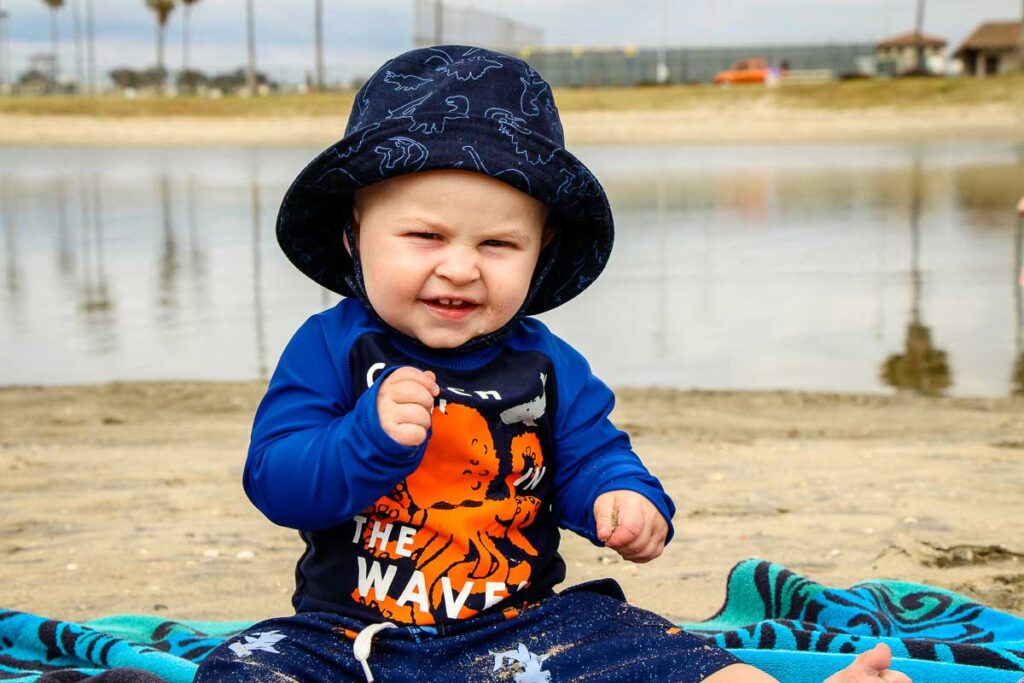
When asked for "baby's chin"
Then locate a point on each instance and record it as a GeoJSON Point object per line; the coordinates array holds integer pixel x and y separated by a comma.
{"type": "Point", "coordinates": [446, 341]}
{"type": "Point", "coordinates": [446, 337]}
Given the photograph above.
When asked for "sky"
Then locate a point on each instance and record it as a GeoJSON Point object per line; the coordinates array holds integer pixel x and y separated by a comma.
{"type": "Point", "coordinates": [360, 34]}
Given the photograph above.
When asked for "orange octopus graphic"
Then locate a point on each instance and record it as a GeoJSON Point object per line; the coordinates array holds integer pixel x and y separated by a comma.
{"type": "Point", "coordinates": [458, 525]}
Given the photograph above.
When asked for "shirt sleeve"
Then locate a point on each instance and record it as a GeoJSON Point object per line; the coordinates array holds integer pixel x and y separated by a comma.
{"type": "Point", "coordinates": [316, 458]}
{"type": "Point", "coordinates": [593, 457]}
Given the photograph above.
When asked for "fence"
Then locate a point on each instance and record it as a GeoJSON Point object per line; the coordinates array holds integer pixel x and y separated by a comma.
{"type": "Point", "coordinates": [626, 66]}
{"type": "Point", "coordinates": [436, 22]}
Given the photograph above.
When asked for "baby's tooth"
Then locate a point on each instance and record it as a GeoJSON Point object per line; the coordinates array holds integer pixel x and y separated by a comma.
{"type": "Point", "coordinates": [444, 302]}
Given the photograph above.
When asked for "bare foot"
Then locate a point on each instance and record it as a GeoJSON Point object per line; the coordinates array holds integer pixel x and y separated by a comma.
{"type": "Point", "coordinates": [870, 667]}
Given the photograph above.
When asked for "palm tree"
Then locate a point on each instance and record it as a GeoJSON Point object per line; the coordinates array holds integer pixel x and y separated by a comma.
{"type": "Point", "coordinates": [163, 9]}
{"type": "Point", "coordinates": [54, 6]}
{"type": "Point", "coordinates": [185, 37]}
{"type": "Point", "coordinates": [76, 19]}
{"type": "Point", "coordinates": [5, 60]}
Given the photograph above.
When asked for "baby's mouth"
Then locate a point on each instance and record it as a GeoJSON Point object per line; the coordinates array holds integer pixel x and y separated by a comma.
{"type": "Point", "coordinates": [451, 303]}
{"type": "Point", "coordinates": [451, 308]}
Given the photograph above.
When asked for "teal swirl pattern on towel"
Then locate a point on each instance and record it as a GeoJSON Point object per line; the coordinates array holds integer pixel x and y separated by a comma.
{"type": "Point", "coordinates": [795, 629]}
{"type": "Point", "coordinates": [31, 646]}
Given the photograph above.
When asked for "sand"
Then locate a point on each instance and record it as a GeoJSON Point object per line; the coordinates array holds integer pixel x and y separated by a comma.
{"type": "Point", "coordinates": [705, 124]}
{"type": "Point", "coordinates": [127, 498]}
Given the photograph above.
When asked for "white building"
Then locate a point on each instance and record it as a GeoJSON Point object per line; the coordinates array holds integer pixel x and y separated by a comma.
{"type": "Point", "coordinates": [897, 56]}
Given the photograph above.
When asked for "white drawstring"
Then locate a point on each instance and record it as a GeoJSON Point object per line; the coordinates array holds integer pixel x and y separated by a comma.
{"type": "Point", "coordinates": [364, 641]}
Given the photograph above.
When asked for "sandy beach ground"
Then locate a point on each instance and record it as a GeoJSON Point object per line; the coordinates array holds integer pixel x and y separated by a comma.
{"type": "Point", "coordinates": [754, 121]}
{"type": "Point", "coordinates": [127, 498]}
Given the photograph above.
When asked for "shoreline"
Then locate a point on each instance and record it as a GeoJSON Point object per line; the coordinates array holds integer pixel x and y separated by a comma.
{"type": "Point", "coordinates": [758, 123]}
{"type": "Point", "coordinates": [132, 490]}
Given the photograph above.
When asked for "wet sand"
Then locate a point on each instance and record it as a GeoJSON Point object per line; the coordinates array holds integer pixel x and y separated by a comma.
{"type": "Point", "coordinates": [127, 498]}
{"type": "Point", "coordinates": [757, 121]}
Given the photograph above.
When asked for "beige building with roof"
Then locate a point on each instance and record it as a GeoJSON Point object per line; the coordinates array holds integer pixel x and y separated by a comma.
{"type": "Point", "coordinates": [994, 48]}
{"type": "Point", "coordinates": [897, 56]}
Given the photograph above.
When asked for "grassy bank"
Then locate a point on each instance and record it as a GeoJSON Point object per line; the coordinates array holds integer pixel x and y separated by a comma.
{"type": "Point", "coordinates": [909, 94]}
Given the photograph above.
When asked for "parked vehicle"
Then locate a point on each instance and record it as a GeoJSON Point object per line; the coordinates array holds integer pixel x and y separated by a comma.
{"type": "Point", "coordinates": [753, 70]}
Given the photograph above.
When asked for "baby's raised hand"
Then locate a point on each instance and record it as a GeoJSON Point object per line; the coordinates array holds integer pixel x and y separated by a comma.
{"type": "Point", "coordinates": [404, 404]}
{"type": "Point", "coordinates": [629, 524]}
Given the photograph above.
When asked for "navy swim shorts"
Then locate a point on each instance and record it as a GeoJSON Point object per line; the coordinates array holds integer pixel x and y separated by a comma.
{"type": "Point", "coordinates": [585, 633]}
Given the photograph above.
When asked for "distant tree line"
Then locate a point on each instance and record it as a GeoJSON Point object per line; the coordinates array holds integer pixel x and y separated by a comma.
{"type": "Point", "coordinates": [188, 81]}
{"type": "Point", "coordinates": [154, 79]}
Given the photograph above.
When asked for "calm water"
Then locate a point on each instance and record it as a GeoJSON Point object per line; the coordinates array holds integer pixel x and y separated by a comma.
{"type": "Point", "coordinates": [829, 267]}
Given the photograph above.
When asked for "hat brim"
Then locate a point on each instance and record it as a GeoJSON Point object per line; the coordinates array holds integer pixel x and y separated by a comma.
{"type": "Point", "coordinates": [315, 208]}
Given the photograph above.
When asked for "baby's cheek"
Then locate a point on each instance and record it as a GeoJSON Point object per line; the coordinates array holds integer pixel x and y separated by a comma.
{"type": "Point", "coordinates": [507, 303]}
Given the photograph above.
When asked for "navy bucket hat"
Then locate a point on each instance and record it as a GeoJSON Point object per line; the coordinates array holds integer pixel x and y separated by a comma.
{"type": "Point", "coordinates": [451, 107]}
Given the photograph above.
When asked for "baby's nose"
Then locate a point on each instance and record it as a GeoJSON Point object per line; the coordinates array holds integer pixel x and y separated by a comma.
{"type": "Point", "coordinates": [458, 268]}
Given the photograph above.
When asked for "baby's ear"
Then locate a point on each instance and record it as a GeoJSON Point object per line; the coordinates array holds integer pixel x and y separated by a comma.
{"type": "Point", "coordinates": [547, 235]}
{"type": "Point", "coordinates": [355, 228]}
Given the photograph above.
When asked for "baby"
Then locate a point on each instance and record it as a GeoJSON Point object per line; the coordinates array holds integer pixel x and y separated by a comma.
{"type": "Point", "coordinates": [426, 436]}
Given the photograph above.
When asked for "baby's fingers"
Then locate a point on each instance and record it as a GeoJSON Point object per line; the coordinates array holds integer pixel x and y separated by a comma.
{"type": "Point", "coordinates": [653, 549]}
{"type": "Point", "coordinates": [632, 543]}
{"type": "Point", "coordinates": [412, 414]}
{"type": "Point", "coordinates": [425, 379]}
{"type": "Point", "coordinates": [409, 435]}
{"type": "Point", "coordinates": [606, 514]}
{"type": "Point", "coordinates": [629, 534]}
{"type": "Point", "coordinates": [410, 392]}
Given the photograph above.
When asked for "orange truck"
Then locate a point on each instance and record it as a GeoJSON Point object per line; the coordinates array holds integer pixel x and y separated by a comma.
{"type": "Point", "coordinates": [754, 70]}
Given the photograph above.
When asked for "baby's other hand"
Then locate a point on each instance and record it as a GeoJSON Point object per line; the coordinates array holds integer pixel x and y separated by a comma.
{"type": "Point", "coordinates": [630, 524]}
{"type": "Point", "coordinates": [404, 404]}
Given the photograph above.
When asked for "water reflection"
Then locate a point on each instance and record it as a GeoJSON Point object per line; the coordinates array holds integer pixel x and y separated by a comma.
{"type": "Point", "coordinates": [257, 279]}
{"type": "Point", "coordinates": [197, 250]}
{"type": "Point", "coordinates": [66, 265]}
{"type": "Point", "coordinates": [12, 273]}
{"type": "Point", "coordinates": [921, 367]}
{"type": "Point", "coordinates": [168, 264]}
{"type": "Point", "coordinates": [736, 268]}
{"type": "Point", "coordinates": [659, 332]}
{"type": "Point", "coordinates": [96, 303]}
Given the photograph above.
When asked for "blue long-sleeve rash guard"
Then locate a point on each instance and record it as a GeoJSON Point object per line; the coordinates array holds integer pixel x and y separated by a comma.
{"type": "Point", "coordinates": [520, 444]}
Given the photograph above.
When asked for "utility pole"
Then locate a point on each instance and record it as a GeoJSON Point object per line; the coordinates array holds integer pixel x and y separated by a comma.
{"type": "Point", "coordinates": [918, 26]}
{"type": "Point", "coordinates": [318, 30]}
{"type": "Point", "coordinates": [76, 19]}
{"type": "Point", "coordinates": [661, 74]}
{"type": "Point", "coordinates": [250, 71]}
{"type": "Point", "coordinates": [54, 51]}
{"type": "Point", "coordinates": [438, 22]}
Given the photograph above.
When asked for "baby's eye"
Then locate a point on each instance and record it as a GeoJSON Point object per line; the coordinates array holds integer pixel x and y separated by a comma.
{"type": "Point", "coordinates": [497, 243]}
{"type": "Point", "coordinates": [425, 235]}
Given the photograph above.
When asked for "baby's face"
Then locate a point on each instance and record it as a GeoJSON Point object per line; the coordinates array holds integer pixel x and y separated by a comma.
{"type": "Point", "coordinates": [447, 255]}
